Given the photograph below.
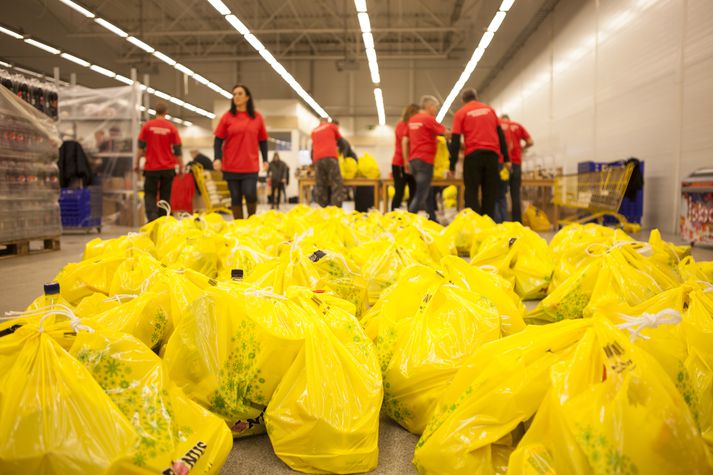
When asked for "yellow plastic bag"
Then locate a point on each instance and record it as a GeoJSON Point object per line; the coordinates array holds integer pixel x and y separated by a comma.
{"type": "Point", "coordinates": [367, 166]}
{"type": "Point", "coordinates": [467, 231]}
{"type": "Point", "coordinates": [82, 279]}
{"type": "Point", "coordinates": [627, 418]}
{"type": "Point", "coordinates": [619, 275]}
{"type": "Point", "coordinates": [176, 433]}
{"type": "Point", "coordinates": [441, 162]}
{"type": "Point", "coordinates": [231, 350]}
{"type": "Point", "coordinates": [520, 255]}
{"type": "Point", "coordinates": [348, 167]}
{"type": "Point", "coordinates": [490, 285]}
{"type": "Point", "coordinates": [536, 219]}
{"type": "Point", "coordinates": [54, 418]}
{"type": "Point", "coordinates": [122, 245]}
{"type": "Point", "coordinates": [692, 270]}
{"type": "Point", "coordinates": [324, 415]}
{"type": "Point", "coordinates": [382, 269]}
{"type": "Point", "coordinates": [342, 275]}
{"type": "Point", "coordinates": [239, 255]}
{"type": "Point", "coordinates": [499, 387]}
{"type": "Point", "coordinates": [146, 317]}
{"type": "Point", "coordinates": [448, 326]}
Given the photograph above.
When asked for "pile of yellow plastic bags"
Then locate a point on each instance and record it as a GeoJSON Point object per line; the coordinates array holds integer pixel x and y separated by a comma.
{"type": "Point", "coordinates": [158, 348]}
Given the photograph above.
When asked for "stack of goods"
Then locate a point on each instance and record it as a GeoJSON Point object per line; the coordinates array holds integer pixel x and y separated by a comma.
{"type": "Point", "coordinates": [29, 186]}
{"type": "Point", "coordinates": [301, 324]}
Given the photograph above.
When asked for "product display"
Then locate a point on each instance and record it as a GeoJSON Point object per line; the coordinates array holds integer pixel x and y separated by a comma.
{"type": "Point", "coordinates": [29, 187]}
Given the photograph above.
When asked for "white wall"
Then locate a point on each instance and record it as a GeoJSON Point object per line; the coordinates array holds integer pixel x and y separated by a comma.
{"type": "Point", "coordinates": [607, 79]}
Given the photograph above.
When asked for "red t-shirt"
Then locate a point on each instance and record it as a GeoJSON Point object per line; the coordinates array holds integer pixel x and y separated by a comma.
{"type": "Point", "coordinates": [514, 135]}
{"type": "Point", "coordinates": [160, 136]}
{"type": "Point", "coordinates": [324, 141]}
{"type": "Point", "coordinates": [400, 132]}
{"type": "Point", "coordinates": [242, 136]}
{"type": "Point", "coordinates": [422, 132]}
{"type": "Point", "coordinates": [478, 124]}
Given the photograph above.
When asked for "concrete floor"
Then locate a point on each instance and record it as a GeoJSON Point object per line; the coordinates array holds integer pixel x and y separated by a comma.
{"type": "Point", "coordinates": [22, 282]}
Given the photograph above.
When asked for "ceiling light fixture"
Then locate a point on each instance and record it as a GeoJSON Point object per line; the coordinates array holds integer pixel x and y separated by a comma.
{"type": "Point", "coordinates": [78, 8]}
{"type": "Point", "coordinates": [137, 42]}
{"type": "Point", "coordinates": [113, 28]}
{"type": "Point", "coordinates": [475, 57]}
{"type": "Point", "coordinates": [43, 46]}
{"type": "Point", "coordinates": [17, 36]}
{"type": "Point", "coordinates": [76, 60]}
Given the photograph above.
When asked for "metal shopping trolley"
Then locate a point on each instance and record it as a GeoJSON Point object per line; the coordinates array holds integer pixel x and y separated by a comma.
{"type": "Point", "coordinates": [213, 190]}
{"type": "Point", "coordinates": [595, 195]}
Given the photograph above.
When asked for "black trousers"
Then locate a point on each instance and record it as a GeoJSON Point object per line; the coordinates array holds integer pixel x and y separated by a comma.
{"type": "Point", "coordinates": [515, 184]}
{"type": "Point", "coordinates": [278, 190]}
{"type": "Point", "coordinates": [401, 180]}
{"type": "Point", "coordinates": [481, 177]}
{"type": "Point", "coordinates": [157, 183]}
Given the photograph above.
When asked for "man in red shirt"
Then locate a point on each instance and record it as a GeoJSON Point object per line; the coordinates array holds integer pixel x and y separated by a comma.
{"type": "Point", "coordinates": [160, 143]}
{"type": "Point", "coordinates": [329, 187]}
{"type": "Point", "coordinates": [515, 134]}
{"type": "Point", "coordinates": [421, 145]}
{"type": "Point", "coordinates": [483, 138]}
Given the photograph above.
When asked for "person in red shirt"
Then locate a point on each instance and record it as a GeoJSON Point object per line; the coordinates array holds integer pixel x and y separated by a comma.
{"type": "Point", "coordinates": [240, 139]}
{"type": "Point", "coordinates": [483, 138]}
{"type": "Point", "coordinates": [401, 178]}
{"type": "Point", "coordinates": [515, 135]}
{"type": "Point", "coordinates": [329, 187]}
{"type": "Point", "coordinates": [421, 146]}
{"type": "Point", "coordinates": [160, 143]}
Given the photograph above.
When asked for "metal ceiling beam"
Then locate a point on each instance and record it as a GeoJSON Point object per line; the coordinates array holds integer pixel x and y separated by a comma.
{"type": "Point", "coordinates": [306, 57]}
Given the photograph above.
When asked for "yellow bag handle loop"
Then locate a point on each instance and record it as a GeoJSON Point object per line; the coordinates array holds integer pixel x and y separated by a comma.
{"type": "Point", "coordinates": [119, 297]}
{"type": "Point", "coordinates": [266, 292]}
{"type": "Point", "coordinates": [635, 325]}
{"type": "Point", "coordinates": [644, 249]}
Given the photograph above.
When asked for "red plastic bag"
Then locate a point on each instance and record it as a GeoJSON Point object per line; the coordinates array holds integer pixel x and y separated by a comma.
{"type": "Point", "coordinates": [182, 191]}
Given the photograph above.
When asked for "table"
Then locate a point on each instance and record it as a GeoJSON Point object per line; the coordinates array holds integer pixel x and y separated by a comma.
{"type": "Point", "coordinates": [457, 182]}
{"type": "Point", "coordinates": [305, 185]}
{"type": "Point", "coordinates": [541, 187]}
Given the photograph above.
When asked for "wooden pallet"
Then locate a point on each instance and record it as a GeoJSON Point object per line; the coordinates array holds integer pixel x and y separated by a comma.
{"type": "Point", "coordinates": [22, 247]}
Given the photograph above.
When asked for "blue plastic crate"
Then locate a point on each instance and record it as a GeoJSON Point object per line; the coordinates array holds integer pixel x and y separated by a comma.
{"type": "Point", "coordinates": [81, 207]}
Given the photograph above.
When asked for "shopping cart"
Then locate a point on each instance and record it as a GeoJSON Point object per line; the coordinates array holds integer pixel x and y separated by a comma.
{"type": "Point", "coordinates": [595, 195]}
{"type": "Point", "coordinates": [213, 189]}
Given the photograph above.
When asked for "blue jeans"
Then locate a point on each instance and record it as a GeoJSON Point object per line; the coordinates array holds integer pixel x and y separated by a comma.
{"type": "Point", "coordinates": [423, 175]}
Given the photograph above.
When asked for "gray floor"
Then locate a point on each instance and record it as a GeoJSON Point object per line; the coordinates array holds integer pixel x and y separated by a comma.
{"type": "Point", "coordinates": [22, 281]}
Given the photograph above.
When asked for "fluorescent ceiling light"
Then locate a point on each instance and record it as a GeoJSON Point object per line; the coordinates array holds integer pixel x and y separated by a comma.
{"type": "Point", "coordinates": [254, 42]}
{"type": "Point", "coordinates": [496, 22]}
{"type": "Point", "coordinates": [375, 77]}
{"type": "Point", "coordinates": [187, 123]}
{"type": "Point", "coordinates": [368, 40]}
{"type": "Point", "coordinates": [17, 36]}
{"type": "Point", "coordinates": [237, 24]}
{"type": "Point", "coordinates": [114, 29]}
{"type": "Point", "coordinates": [78, 8]}
{"type": "Point", "coordinates": [379, 98]}
{"type": "Point", "coordinates": [151, 90]}
{"type": "Point", "coordinates": [183, 69]}
{"type": "Point", "coordinates": [267, 56]}
{"type": "Point", "coordinates": [43, 46]}
{"type": "Point", "coordinates": [190, 107]}
{"type": "Point", "coordinates": [104, 71]}
{"type": "Point", "coordinates": [162, 95]}
{"type": "Point", "coordinates": [177, 120]}
{"type": "Point", "coordinates": [220, 6]}
{"type": "Point", "coordinates": [164, 58]}
{"type": "Point", "coordinates": [177, 101]}
{"type": "Point", "coordinates": [152, 112]}
{"type": "Point", "coordinates": [506, 5]}
{"type": "Point", "coordinates": [74, 59]}
{"type": "Point", "coordinates": [477, 54]}
{"type": "Point", "coordinates": [7, 65]}
{"type": "Point", "coordinates": [364, 22]}
{"type": "Point", "coordinates": [137, 42]}
{"type": "Point", "coordinates": [124, 79]}
{"type": "Point", "coordinates": [200, 79]}
{"type": "Point", "coordinates": [486, 39]}
{"type": "Point", "coordinates": [360, 5]}
{"type": "Point", "coordinates": [169, 116]}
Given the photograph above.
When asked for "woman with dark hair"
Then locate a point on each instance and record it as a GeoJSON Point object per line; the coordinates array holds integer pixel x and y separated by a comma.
{"type": "Point", "coordinates": [240, 139]}
{"type": "Point", "coordinates": [402, 177]}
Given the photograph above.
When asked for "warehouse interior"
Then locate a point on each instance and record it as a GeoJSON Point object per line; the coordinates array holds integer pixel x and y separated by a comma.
{"type": "Point", "coordinates": [594, 82]}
